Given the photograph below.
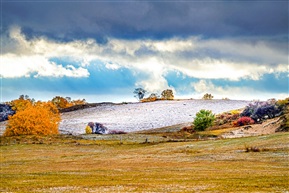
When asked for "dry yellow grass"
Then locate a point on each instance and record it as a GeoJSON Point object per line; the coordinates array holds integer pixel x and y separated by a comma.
{"type": "Point", "coordinates": [68, 164]}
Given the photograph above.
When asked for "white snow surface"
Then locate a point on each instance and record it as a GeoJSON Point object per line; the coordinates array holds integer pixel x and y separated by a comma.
{"type": "Point", "coordinates": [143, 116]}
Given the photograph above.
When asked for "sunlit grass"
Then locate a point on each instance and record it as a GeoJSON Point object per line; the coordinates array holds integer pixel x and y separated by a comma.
{"type": "Point", "coordinates": [70, 164]}
{"type": "Point", "coordinates": [217, 132]}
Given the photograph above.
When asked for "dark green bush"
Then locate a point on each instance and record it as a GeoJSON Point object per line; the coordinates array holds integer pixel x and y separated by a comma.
{"type": "Point", "coordinates": [203, 120]}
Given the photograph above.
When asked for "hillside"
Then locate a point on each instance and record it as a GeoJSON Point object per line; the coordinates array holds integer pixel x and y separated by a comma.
{"type": "Point", "coordinates": [142, 116]}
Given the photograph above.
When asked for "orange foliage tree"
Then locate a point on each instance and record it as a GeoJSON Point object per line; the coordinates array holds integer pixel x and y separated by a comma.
{"type": "Point", "coordinates": [151, 98]}
{"type": "Point", "coordinates": [20, 104]}
{"type": "Point", "coordinates": [62, 103]}
{"type": "Point", "coordinates": [40, 118]}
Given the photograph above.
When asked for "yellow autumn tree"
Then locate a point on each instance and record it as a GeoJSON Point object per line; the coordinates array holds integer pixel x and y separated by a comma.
{"type": "Point", "coordinates": [20, 104]}
{"type": "Point", "coordinates": [61, 102]}
{"type": "Point", "coordinates": [40, 118]}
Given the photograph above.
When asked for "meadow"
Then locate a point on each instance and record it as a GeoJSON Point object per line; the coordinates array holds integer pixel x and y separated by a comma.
{"type": "Point", "coordinates": [65, 163]}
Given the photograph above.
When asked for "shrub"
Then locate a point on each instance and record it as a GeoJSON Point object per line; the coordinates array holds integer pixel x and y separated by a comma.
{"type": "Point", "coordinates": [282, 103]}
{"type": "Point", "coordinates": [88, 130]}
{"type": "Point", "coordinates": [244, 121]}
{"type": "Point", "coordinates": [5, 111]}
{"type": "Point", "coordinates": [208, 96]}
{"type": "Point", "coordinates": [41, 118]}
{"type": "Point", "coordinates": [151, 98]}
{"type": "Point", "coordinates": [168, 94]}
{"type": "Point", "coordinates": [261, 110]}
{"type": "Point", "coordinates": [203, 120]}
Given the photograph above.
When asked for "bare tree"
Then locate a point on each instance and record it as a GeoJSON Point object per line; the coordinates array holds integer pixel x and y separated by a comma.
{"type": "Point", "coordinates": [139, 93]}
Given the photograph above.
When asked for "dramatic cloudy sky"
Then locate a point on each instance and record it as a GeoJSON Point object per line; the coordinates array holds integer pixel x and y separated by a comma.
{"type": "Point", "coordinates": [103, 50]}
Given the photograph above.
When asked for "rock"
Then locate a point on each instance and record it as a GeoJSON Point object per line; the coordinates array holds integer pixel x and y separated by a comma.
{"type": "Point", "coordinates": [5, 111]}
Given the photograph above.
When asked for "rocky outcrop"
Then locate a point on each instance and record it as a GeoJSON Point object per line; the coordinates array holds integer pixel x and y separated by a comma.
{"type": "Point", "coordinates": [5, 111]}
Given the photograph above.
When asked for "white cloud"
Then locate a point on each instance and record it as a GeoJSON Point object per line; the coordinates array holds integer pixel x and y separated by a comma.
{"type": "Point", "coordinates": [193, 56]}
{"type": "Point", "coordinates": [241, 93]}
{"type": "Point", "coordinates": [208, 68]}
{"type": "Point", "coordinates": [14, 66]}
{"type": "Point", "coordinates": [112, 66]}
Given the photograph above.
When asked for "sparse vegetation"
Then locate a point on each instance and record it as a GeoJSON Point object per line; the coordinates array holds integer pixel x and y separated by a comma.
{"type": "Point", "coordinates": [255, 149]}
{"type": "Point", "coordinates": [70, 164]}
{"type": "Point", "coordinates": [165, 95]}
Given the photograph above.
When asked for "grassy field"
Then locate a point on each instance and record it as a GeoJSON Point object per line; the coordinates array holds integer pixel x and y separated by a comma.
{"type": "Point", "coordinates": [70, 164]}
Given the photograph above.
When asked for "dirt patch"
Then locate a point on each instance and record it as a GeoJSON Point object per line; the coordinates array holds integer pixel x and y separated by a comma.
{"type": "Point", "coordinates": [266, 127]}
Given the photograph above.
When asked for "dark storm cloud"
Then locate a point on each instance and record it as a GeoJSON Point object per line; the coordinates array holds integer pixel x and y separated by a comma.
{"type": "Point", "coordinates": [155, 20]}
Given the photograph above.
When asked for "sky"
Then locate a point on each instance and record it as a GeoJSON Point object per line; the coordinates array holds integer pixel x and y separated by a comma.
{"type": "Point", "coordinates": [102, 50]}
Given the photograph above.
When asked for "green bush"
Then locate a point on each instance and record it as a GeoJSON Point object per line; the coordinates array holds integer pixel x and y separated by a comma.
{"type": "Point", "coordinates": [203, 120]}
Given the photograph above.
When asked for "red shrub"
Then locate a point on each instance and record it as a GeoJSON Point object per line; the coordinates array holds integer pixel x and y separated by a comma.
{"type": "Point", "coordinates": [245, 121]}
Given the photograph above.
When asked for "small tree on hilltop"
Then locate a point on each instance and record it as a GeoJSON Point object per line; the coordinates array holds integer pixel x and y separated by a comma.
{"type": "Point", "coordinates": [60, 102]}
{"type": "Point", "coordinates": [151, 98]}
{"type": "Point", "coordinates": [208, 96]}
{"type": "Point", "coordinates": [139, 93]}
{"type": "Point", "coordinates": [168, 94]}
{"type": "Point", "coordinates": [203, 120]}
